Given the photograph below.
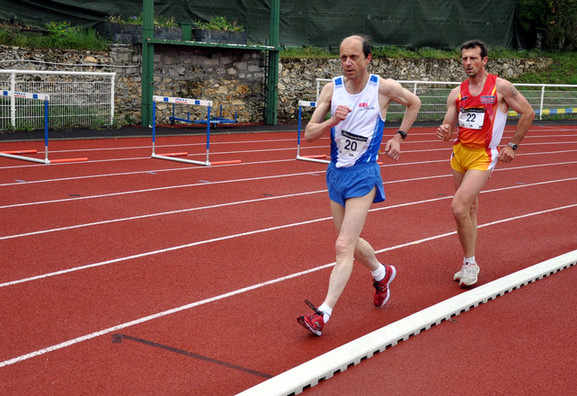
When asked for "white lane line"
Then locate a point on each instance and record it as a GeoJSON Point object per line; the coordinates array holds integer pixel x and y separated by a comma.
{"type": "Point", "coordinates": [109, 330]}
{"type": "Point", "coordinates": [263, 230]}
{"type": "Point", "coordinates": [246, 180]}
{"type": "Point", "coordinates": [180, 211]}
{"type": "Point", "coordinates": [446, 149]}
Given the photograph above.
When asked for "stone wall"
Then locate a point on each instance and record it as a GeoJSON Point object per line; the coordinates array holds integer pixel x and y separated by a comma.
{"type": "Point", "coordinates": [235, 78]}
{"type": "Point", "coordinates": [297, 76]}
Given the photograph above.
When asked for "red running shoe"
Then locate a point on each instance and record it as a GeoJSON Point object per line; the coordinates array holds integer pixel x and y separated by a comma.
{"type": "Point", "coordinates": [382, 292]}
{"type": "Point", "coordinates": [313, 322]}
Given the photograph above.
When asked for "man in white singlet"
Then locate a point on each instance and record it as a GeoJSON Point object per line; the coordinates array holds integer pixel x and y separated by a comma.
{"type": "Point", "coordinates": [358, 103]}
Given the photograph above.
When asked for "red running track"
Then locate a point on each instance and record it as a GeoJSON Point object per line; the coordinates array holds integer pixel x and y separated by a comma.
{"type": "Point", "coordinates": [126, 274]}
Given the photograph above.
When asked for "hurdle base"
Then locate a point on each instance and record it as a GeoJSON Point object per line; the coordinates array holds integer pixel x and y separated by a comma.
{"type": "Point", "coordinates": [23, 158]}
{"type": "Point", "coordinates": [194, 162]}
{"type": "Point", "coordinates": [16, 152]}
{"type": "Point", "coordinates": [181, 154]}
{"type": "Point", "coordinates": [226, 162]}
{"type": "Point", "coordinates": [177, 159]}
{"type": "Point", "coordinates": [64, 160]}
{"type": "Point", "coordinates": [313, 158]}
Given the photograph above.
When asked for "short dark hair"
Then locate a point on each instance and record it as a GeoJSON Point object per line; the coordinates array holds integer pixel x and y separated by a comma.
{"type": "Point", "coordinates": [366, 45]}
{"type": "Point", "coordinates": [476, 44]}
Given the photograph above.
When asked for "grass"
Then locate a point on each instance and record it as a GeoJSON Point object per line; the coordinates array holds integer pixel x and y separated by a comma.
{"type": "Point", "coordinates": [563, 70]}
{"type": "Point", "coordinates": [55, 36]}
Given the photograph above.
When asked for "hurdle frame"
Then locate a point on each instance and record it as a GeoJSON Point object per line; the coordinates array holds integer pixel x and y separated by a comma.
{"type": "Point", "coordinates": [36, 96]}
{"type": "Point", "coordinates": [175, 156]}
{"type": "Point", "coordinates": [15, 154]}
{"type": "Point", "coordinates": [310, 158]}
{"type": "Point", "coordinates": [214, 120]}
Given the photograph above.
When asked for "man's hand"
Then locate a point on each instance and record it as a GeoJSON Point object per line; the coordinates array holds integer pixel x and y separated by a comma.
{"type": "Point", "coordinates": [393, 147]}
{"type": "Point", "coordinates": [444, 132]}
{"type": "Point", "coordinates": [340, 114]}
{"type": "Point", "coordinates": [507, 154]}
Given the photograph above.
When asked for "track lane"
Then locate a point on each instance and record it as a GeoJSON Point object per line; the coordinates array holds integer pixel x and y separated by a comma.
{"type": "Point", "coordinates": [281, 254]}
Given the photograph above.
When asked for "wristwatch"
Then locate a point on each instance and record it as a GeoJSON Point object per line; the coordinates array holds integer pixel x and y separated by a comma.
{"type": "Point", "coordinates": [513, 146]}
{"type": "Point", "coordinates": [402, 133]}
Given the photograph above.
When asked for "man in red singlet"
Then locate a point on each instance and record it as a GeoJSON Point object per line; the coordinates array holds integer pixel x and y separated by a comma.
{"type": "Point", "coordinates": [478, 109]}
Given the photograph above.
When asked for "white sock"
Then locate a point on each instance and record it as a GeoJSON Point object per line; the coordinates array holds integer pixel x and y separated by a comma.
{"type": "Point", "coordinates": [328, 311]}
{"type": "Point", "coordinates": [470, 260]}
{"type": "Point", "coordinates": [379, 273]}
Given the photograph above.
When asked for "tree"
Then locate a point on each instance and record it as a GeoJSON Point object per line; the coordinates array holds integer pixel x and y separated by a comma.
{"type": "Point", "coordinates": [549, 24]}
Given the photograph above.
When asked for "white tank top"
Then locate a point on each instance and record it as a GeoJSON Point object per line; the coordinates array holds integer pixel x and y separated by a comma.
{"type": "Point", "coordinates": [358, 138]}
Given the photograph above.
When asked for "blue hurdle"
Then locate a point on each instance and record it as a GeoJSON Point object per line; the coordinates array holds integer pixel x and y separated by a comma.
{"type": "Point", "coordinates": [310, 158]}
{"type": "Point", "coordinates": [214, 120]}
{"type": "Point", "coordinates": [16, 154]}
{"type": "Point", "coordinates": [175, 156]}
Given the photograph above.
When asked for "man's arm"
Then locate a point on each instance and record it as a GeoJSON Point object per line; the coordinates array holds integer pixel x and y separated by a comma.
{"type": "Point", "coordinates": [513, 99]}
{"type": "Point", "coordinates": [318, 125]}
{"type": "Point", "coordinates": [392, 90]}
{"type": "Point", "coordinates": [445, 130]}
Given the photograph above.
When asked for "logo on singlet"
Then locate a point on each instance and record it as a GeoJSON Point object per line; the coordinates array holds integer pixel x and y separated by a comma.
{"type": "Point", "coordinates": [488, 99]}
{"type": "Point", "coordinates": [365, 107]}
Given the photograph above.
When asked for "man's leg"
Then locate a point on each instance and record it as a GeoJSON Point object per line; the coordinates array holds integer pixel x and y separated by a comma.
{"type": "Point", "coordinates": [349, 222]}
{"type": "Point", "coordinates": [465, 206]}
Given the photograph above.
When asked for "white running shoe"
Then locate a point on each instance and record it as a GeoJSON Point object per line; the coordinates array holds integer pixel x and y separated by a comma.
{"type": "Point", "coordinates": [458, 274]}
{"type": "Point", "coordinates": [468, 275]}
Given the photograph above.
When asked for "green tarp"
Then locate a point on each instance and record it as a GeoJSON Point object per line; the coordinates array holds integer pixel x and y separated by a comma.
{"type": "Point", "coordinates": [407, 23]}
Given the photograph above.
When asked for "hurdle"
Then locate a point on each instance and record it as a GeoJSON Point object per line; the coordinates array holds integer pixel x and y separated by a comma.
{"type": "Point", "coordinates": [176, 156]}
{"type": "Point", "coordinates": [16, 154]}
{"type": "Point", "coordinates": [310, 158]}
{"type": "Point", "coordinates": [214, 120]}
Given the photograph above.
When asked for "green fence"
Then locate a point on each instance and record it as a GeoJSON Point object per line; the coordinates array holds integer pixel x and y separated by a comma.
{"type": "Point", "coordinates": [410, 23]}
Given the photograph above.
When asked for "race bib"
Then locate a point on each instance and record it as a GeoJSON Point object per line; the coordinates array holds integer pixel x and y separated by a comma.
{"type": "Point", "coordinates": [472, 118]}
{"type": "Point", "coordinates": [351, 145]}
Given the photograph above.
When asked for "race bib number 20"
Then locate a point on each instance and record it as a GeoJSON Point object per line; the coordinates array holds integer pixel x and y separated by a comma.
{"type": "Point", "coordinates": [351, 145]}
{"type": "Point", "coordinates": [472, 118]}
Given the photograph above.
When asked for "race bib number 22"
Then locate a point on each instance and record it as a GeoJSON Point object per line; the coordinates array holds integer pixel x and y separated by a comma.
{"type": "Point", "coordinates": [472, 118]}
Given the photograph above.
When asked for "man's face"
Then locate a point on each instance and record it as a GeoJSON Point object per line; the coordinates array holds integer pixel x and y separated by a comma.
{"type": "Point", "coordinates": [353, 58]}
{"type": "Point", "coordinates": [472, 61]}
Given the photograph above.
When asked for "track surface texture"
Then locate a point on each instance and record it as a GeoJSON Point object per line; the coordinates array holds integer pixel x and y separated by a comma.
{"type": "Point", "coordinates": [125, 274]}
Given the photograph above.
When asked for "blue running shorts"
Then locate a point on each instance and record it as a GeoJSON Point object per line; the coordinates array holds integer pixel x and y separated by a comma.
{"type": "Point", "coordinates": [354, 181]}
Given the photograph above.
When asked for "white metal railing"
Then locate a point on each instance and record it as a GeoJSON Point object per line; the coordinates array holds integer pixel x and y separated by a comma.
{"type": "Point", "coordinates": [546, 99]}
{"type": "Point", "coordinates": [77, 99]}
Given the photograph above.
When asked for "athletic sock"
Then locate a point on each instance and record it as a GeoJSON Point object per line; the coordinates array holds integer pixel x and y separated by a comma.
{"type": "Point", "coordinates": [470, 260]}
{"type": "Point", "coordinates": [379, 273]}
{"type": "Point", "coordinates": [328, 311]}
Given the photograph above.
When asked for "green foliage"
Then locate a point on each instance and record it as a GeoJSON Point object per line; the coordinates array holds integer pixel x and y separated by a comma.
{"type": "Point", "coordinates": [60, 35]}
{"type": "Point", "coordinates": [307, 53]}
{"type": "Point", "coordinates": [63, 33]}
{"type": "Point", "coordinates": [563, 70]}
{"type": "Point", "coordinates": [549, 24]}
{"type": "Point", "coordinates": [159, 21]}
{"type": "Point", "coordinates": [219, 23]}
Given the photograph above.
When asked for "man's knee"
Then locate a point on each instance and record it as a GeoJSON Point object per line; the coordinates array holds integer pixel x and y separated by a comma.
{"type": "Point", "coordinates": [344, 246]}
{"type": "Point", "coordinates": [460, 209]}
